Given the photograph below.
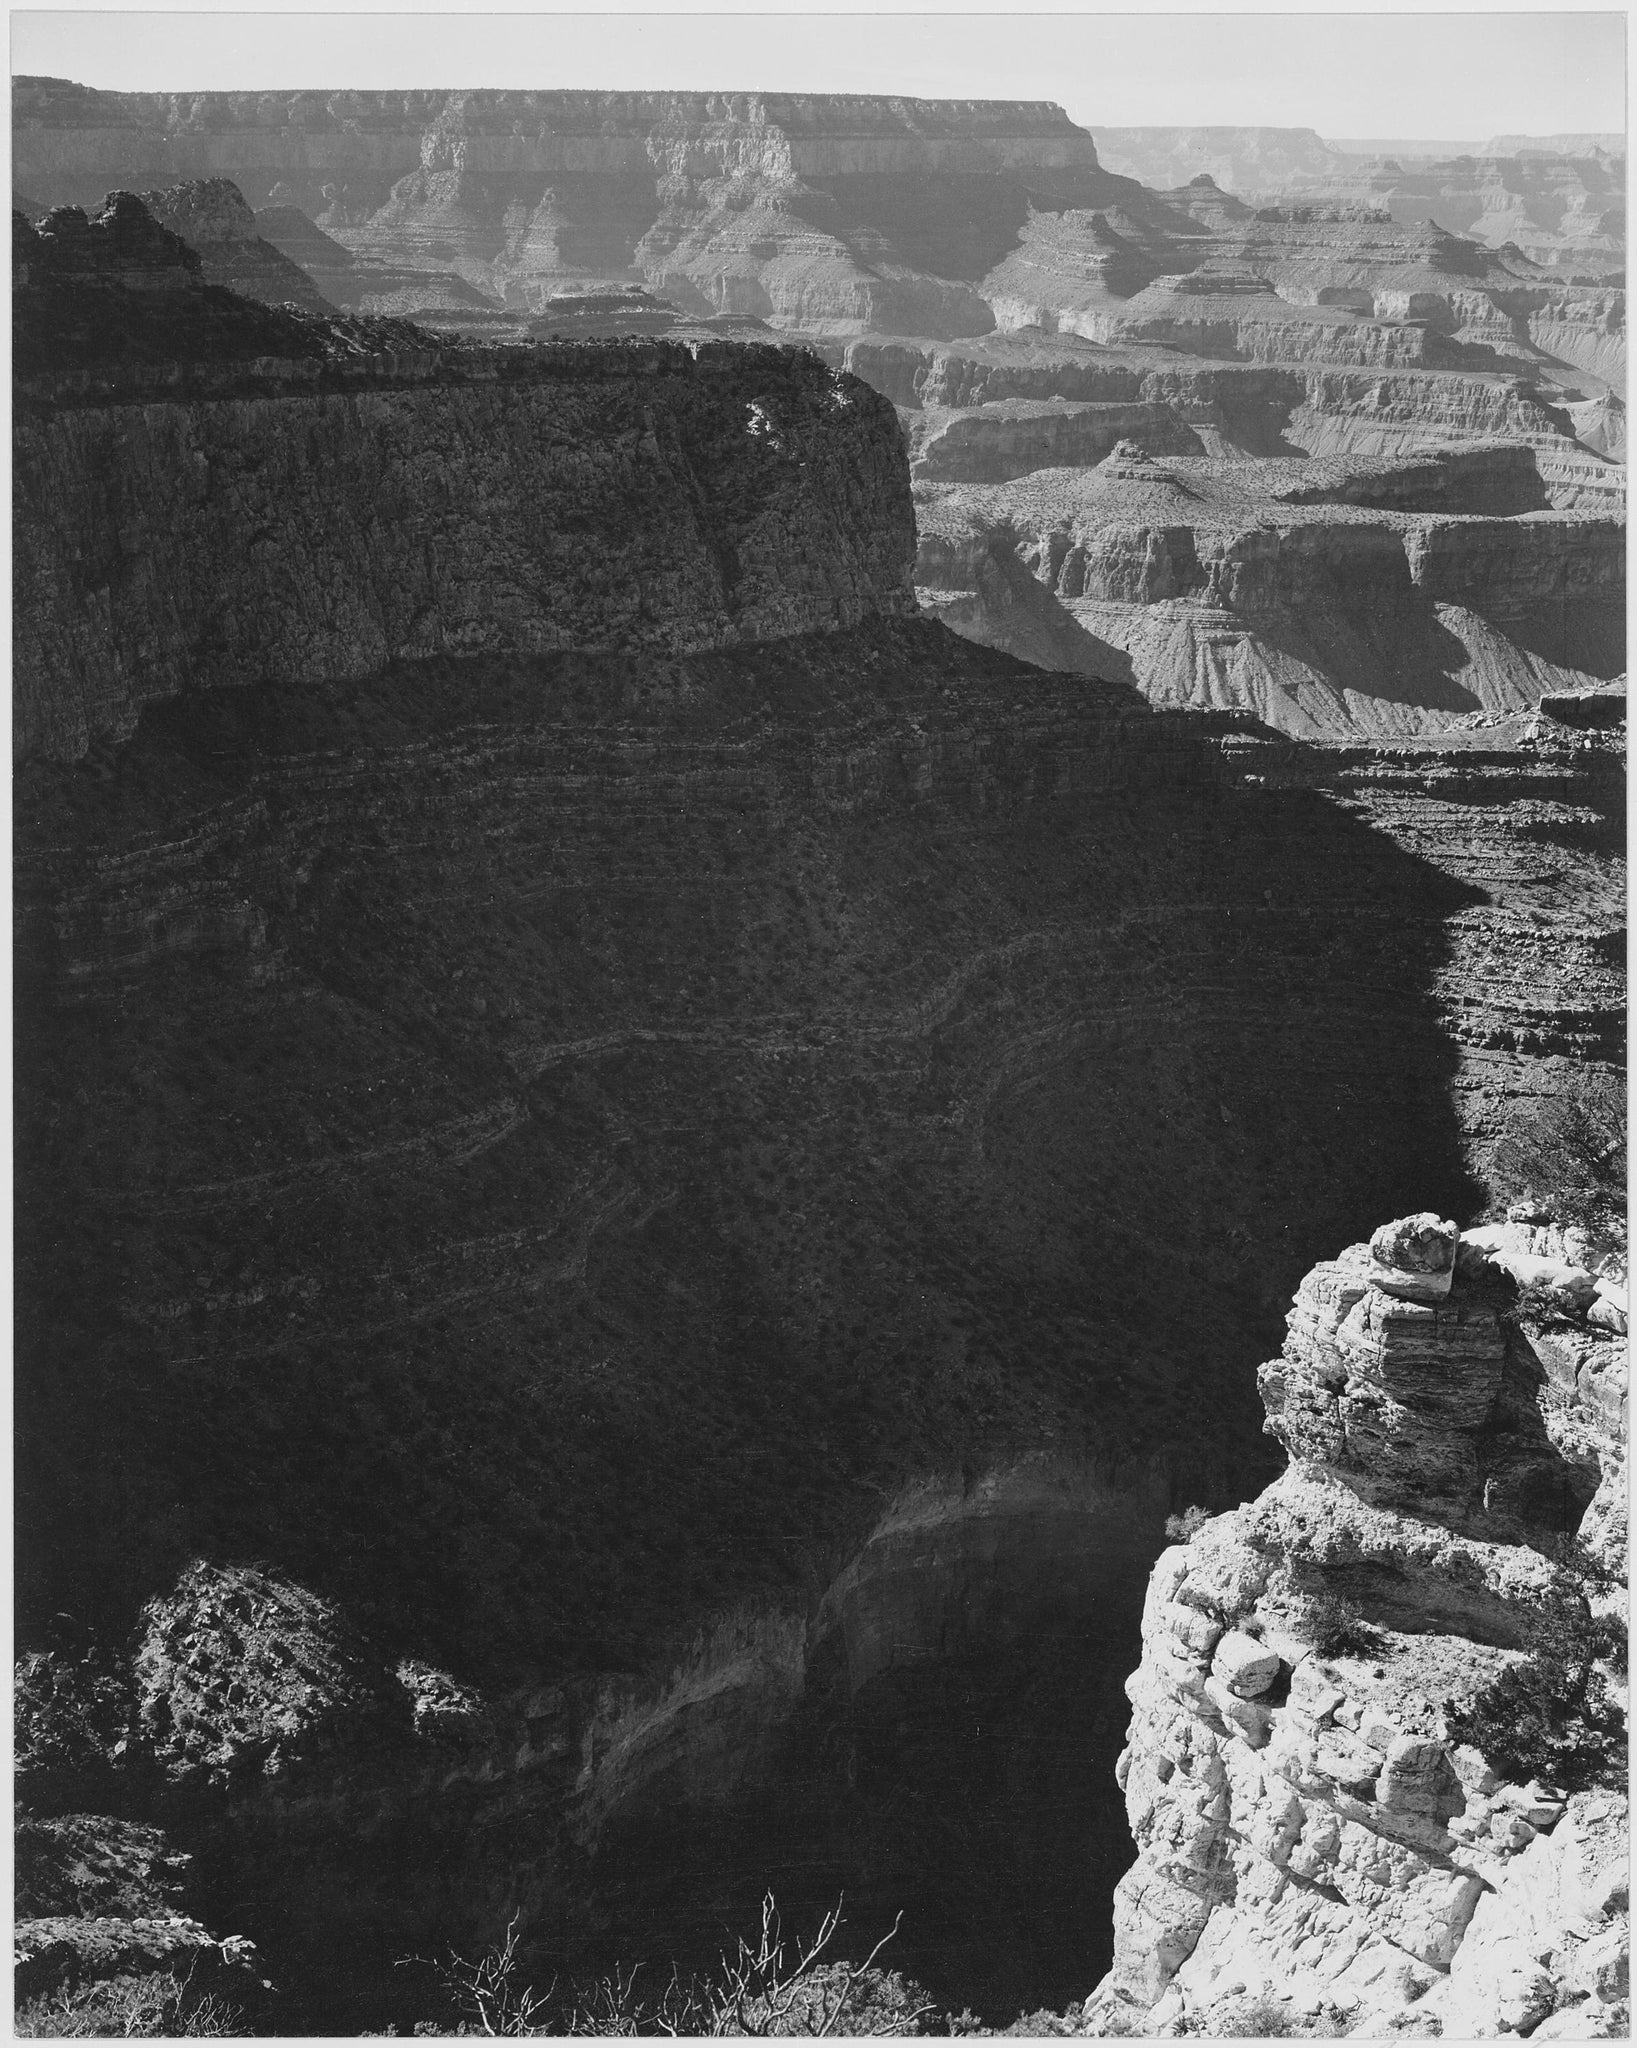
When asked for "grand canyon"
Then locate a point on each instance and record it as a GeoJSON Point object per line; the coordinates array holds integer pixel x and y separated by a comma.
{"type": "Point", "coordinates": [819, 937]}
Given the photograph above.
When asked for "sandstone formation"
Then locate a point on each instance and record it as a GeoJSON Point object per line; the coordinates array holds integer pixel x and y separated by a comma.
{"type": "Point", "coordinates": [1340, 1827]}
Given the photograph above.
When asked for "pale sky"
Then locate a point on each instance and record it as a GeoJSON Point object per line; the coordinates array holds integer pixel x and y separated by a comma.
{"type": "Point", "coordinates": [1446, 75]}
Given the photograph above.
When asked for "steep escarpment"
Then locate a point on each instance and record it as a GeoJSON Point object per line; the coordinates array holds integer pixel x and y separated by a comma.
{"type": "Point", "coordinates": [620, 1116]}
{"type": "Point", "coordinates": [617, 1116]}
{"type": "Point", "coordinates": [1376, 1766]}
{"type": "Point", "coordinates": [614, 495]}
{"type": "Point", "coordinates": [339, 883]}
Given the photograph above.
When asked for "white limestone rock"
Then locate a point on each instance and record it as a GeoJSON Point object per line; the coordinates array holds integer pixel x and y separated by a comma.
{"type": "Point", "coordinates": [1414, 1258]}
{"type": "Point", "coordinates": [1244, 1665]}
{"type": "Point", "coordinates": [1325, 1851]}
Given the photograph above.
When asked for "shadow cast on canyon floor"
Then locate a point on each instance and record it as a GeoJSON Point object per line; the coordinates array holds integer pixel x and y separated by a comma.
{"type": "Point", "coordinates": [540, 1151]}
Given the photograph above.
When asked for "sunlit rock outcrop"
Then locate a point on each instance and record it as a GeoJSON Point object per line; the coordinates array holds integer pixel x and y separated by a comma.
{"type": "Point", "coordinates": [1377, 1747]}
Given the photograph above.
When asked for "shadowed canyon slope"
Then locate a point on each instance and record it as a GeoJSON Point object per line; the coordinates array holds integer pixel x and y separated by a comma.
{"type": "Point", "coordinates": [601, 1101]}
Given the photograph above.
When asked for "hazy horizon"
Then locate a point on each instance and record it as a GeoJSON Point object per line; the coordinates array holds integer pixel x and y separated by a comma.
{"type": "Point", "coordinates": [1464, 76]}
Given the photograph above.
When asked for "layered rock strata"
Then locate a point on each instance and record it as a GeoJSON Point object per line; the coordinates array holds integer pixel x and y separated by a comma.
{"type": "Point", "coordinates": [826, 214]}
{"type": "Point", "coordinates": [395, 289]}
{"type": "Point", "coordinates": [624, 496]}
{"type": "Point", "coordinates": [1316, 594]}
{"type": "Point", "coordinates": [1235, 409]}
{"type": "Point", "coordinates": [847, 211]}
{"type": "Point", "coordinates": [1561, 204]}
{"type": "Point", "coordinates": [1323, 1845]}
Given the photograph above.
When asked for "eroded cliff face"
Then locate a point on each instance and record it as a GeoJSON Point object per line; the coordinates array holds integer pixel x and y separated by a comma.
{"type": "Point", "coordinates": [1228, 409]}
{"type": "Point", "coordinates": [828, 210]}
{"type": "Point", "coordinates": [827, 214]}
{"type": "Point", "coordinates": [1377, 1754]}
{"type": "Point", "coordinates": [621, 496]}
{"type": "Point", "coordinates": [1332, 599]}
{"type": "Point", "coordinates": [613, 1117]}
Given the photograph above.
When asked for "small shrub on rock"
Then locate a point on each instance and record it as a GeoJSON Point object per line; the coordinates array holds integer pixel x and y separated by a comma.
{"type": "Point", "coordinates": [1570, 1153]}
{"type": "Point", "coordinates": [771, 1988]}
{"type": "Point", "coordinates": [1332, 1623]}
{"type": "Point", "coordinates": [1262, 2017]}
{"type": "Point", "coordinates": [1553, 1717]}
{"type": "Point", "coordinates": [155, 2005]}
{"type": "Point", "coordinates": [74, 1715]}
{"type": "Point", "coordinates": [1179, 1528]}
{"type": "Point", "coordinates": [1339, 1630]}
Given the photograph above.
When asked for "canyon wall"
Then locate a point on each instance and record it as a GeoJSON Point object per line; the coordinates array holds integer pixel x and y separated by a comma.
{"type": "Point", "coordinates": [820, 214]}
{"type": "Point", "coordinates": [629, 496]}
{"type": "Point", "coordinates": [263, 139]}
{"type": "Point", "coordinates": [1318, 594]}
{"type": "Point", "coordinates": [1232, 409]}
{"type": "Point", "coordinates": [827, 209]}
{"type": "Point", "coordinates": [622, 1117]}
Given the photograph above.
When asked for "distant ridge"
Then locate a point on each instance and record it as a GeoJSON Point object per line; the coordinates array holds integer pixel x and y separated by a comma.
{"type": "Point", "coordinates": [1401, 146]}
{"type": "Point", "coordinates": [1497, 145]}
{"type": "Point", "coordinates": [1555, 145]}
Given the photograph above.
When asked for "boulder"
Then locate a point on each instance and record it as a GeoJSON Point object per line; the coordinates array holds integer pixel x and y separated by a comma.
{"type": "Point", "coordinates": [1414, 1258]}
{"type": "Point", "coordinates": [1570, 1288]}
{"type": "Point", "coordinates": [1417, 1777]}
{"type": "Point", "coordinates": [1245, 1666]}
